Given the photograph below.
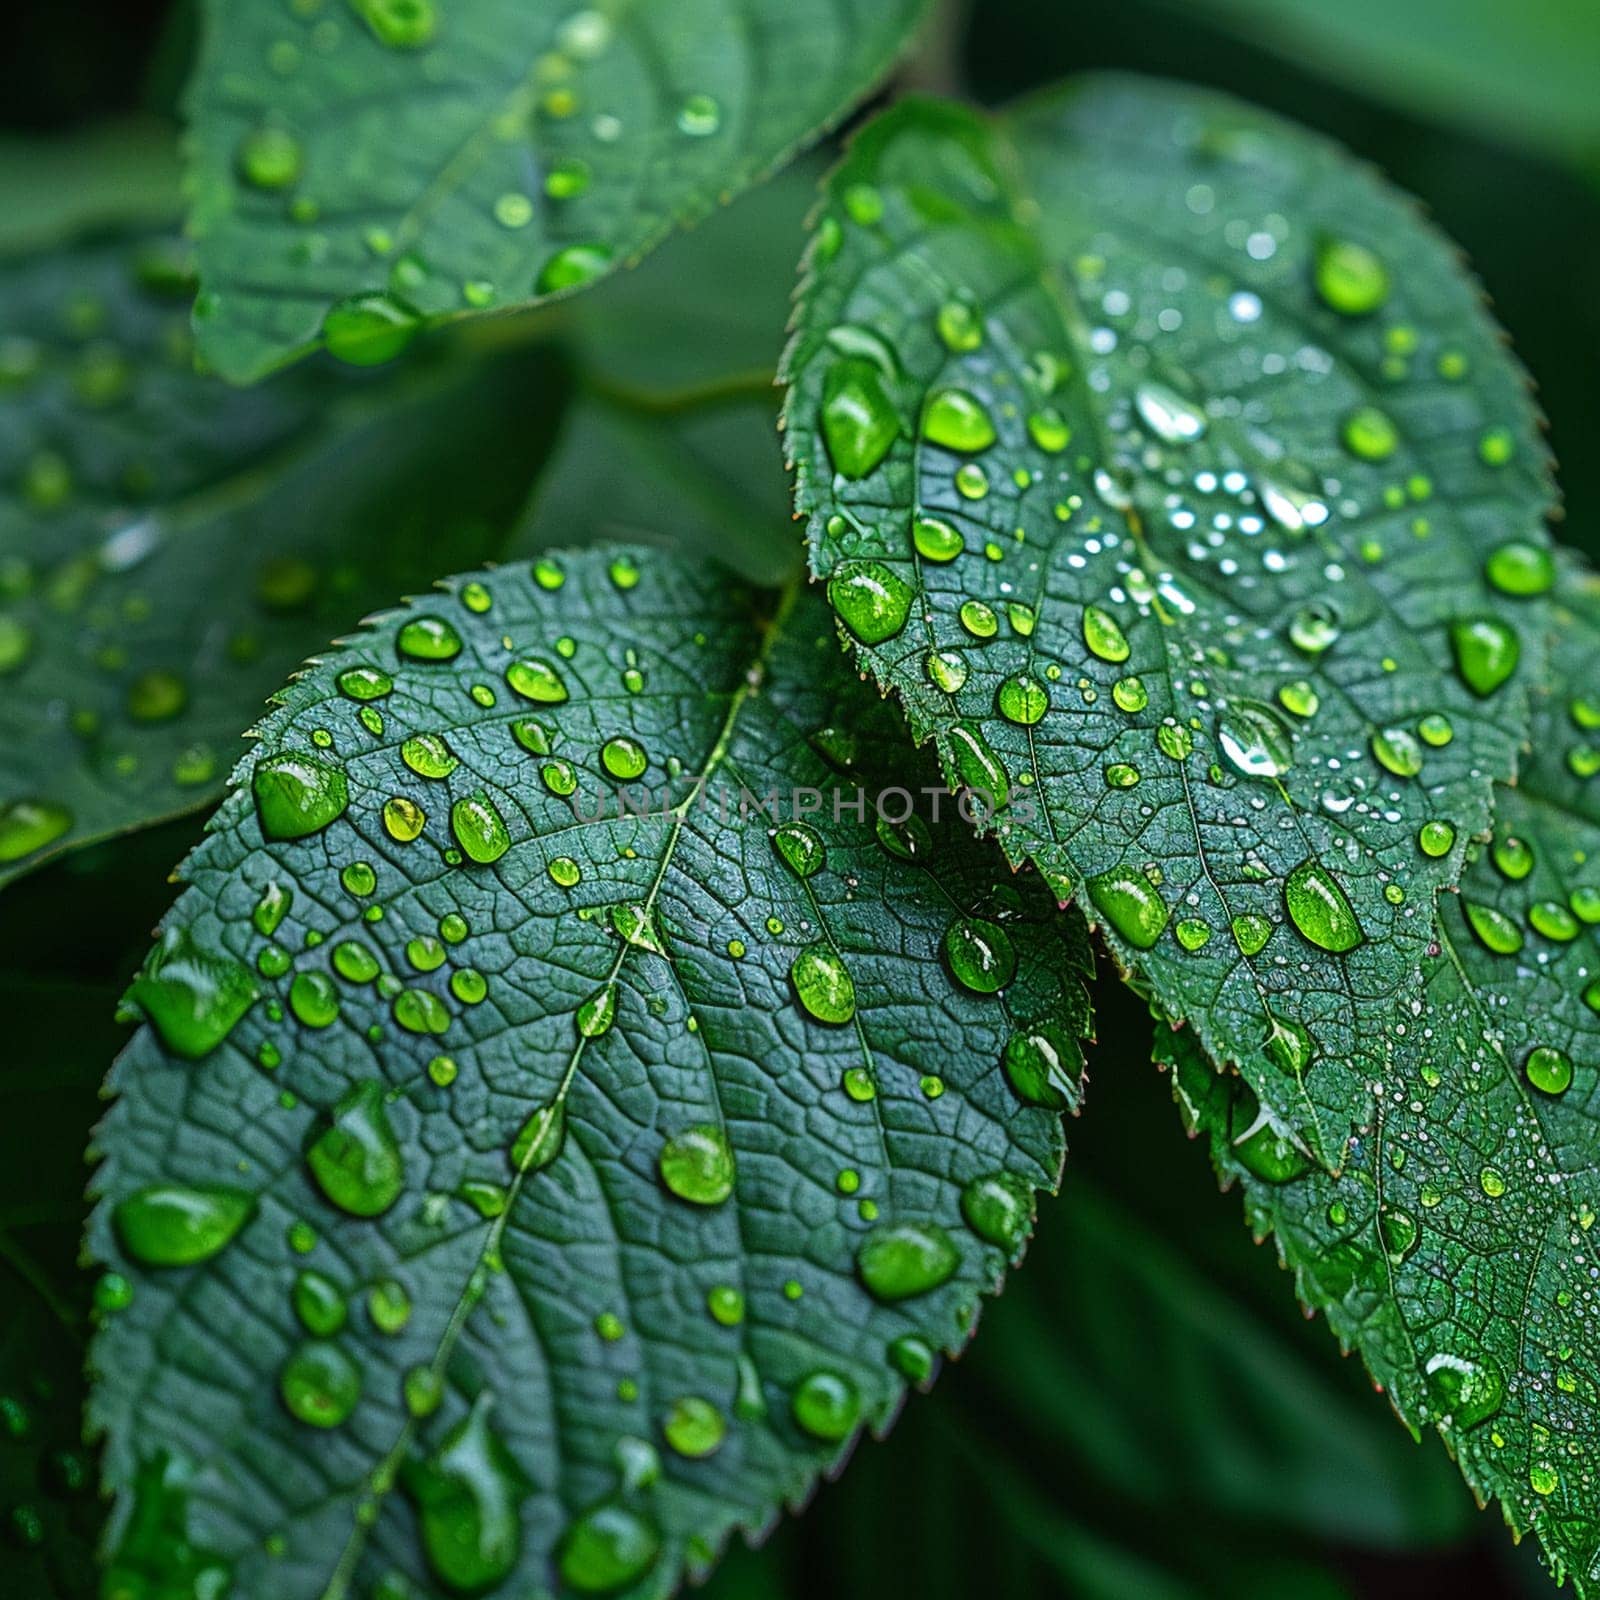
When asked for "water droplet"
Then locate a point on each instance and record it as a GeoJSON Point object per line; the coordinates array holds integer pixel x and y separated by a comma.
{"type": "Point", "coordinates": [697, 1165]}
{"type": "Point", "coordinates": [1398, 751]}
{"type": "Point", "coordinates": [318, 1303]}
{"type": "Point", "coordinates": [1549, 1069]}
{"type": "Point", "coordinates": [827, 1406]}
{"type": "Point", "coordinates": [955, 420]}
{"type": "Point", "coordinates": [598, 1013]}
{"type": "Point", "coordinates": [972, 482]}
{"type": "Point", "coordinates": [400, 24]}
{"type": "Point", "coordinates": [313, 999]}
{"type": "Point", "coordinates": [1521, 568]}
{"type": "Point", "coordinates": [1103, 635]}
{"type": "Point", "coordinates": [1553, 920]}
{"type": "Point", "coordinates": [1495, 930]}
{"type": "Point", "coordinates": [822, 984]}
{"type": "Point", "coordinates": [403, 819]}
{"type": "Point", "coordinates": [999, 1209]}
{"type": "Point", "coordinates": [936, 540]}
{"type": "Point", "coordinates": [979, 619]}
{"type": "Point", "coordinates": [193, 997]}
{"type": "Point", "coordinates": [1349, 277]}
{"type": "Point", "coordinates": [479, 828]}
{"type": "Point", "coordinates": [573, 266]}
{"type": "Point", "coordinates": [1486, 652]}
{"type": "Point", "coordinates": [624, 758]}
{"type": "Point", "coordinates": [872, 600]}
{"type": "Point", "coordinates": [859, 420]}
{"type": "Point", "coordinates": [960, 327]}
{"type": "Point", "coordinates": [365, 683]}
{"type": "Point", "coordinates": [368, 329]}
{"type": "Point", "coordinates": [467, 1495]}
{"type": "Point", "coordinates": [270, 158]}
{"type": "Point", "coordinates": [1467, 1391]}
{"type": "Point", "coordinates": [800, 847]}
{"type": "Point", "coordinates": [356, 1160]}
{"type": "Point", "coordinates": [1254, 741]}
{"type": "Point", "coordinates": [1022, 699]}
{"type": "Point", "coordinates": [538, 681]}
{"type": "Point", "coordinates": [1314, 628]}
{"type": "Point", "coordinates": [979, 954]}
{"type": "Point", "coordinates": [1436, 838]}
{"type": "Point", "coordinates": [429, 756]}
{"type": "Point", "coordinates": [1370, 434]}
{"type": "Point", "coordinates": [946, 670]}
{"type": "Point", "coordinates": [978, 767]}
{"type": "Point", "coordinates": [428, 638]}
{"type": "Point", "coordinates": [699, 116]}
{"type": "Point", "coordinates": [1131, 905]}
{"type": "Point", "coordinates": [1168, 415]}
{"type": "Point", "coordinates": [297, 796]}
{"type": "Point", "coordinates": [1049, 430]}
{"type": "Point", "coordinates": [694, 1427]}
{"type": "Point", "coordinates": [608, 1548]}
{"type": "Point", "coordinates": [169, 1225]}
{"type": "Point", "coordinates": [320, 1384]}
{"type": "Point", "coordinates": [1319, 909]}
{"type": "Point", "coordinates": [899, 1260]}
{"type": "Point", "coordinates": [1130, 695]}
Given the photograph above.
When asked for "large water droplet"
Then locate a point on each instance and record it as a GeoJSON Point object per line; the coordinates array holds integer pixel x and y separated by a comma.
{"type": "Point", "coordinates": [320, 1384]}
{"type": "Point", "coordinates": [467, 1496]}
{"type": "Point", "coordinates": [873, 601]}
{"type": "Point", "coordinates": [899, 1260]}
{"type": "Point", "coordinates": [1103, 635]}
{"type": "Point", "coordinates": [1319, 909]}
{"type": "Point", "coordinates": [954, 419]}
{"type": "Point", "coordinates": [1168, 415]}
{"type": "Point", "coordinates": [859, 420]}
{"type": "Point", "coordinates": [1254, 741]}
{"type": "Point", "coordinates": [608, 1548]}
{"type": "Point", "coordinates": [535, 679]}
{"type": "Point", "coordinates": [297, 795]}
{"type": "Point", "coordinates": [356, 1161]}
{"type": "Point", "coordinates": [1486, 650]}
{"type": "Point", "coordinates": [170, 1225]}
{"type": "Point", "coordinates": [1129, 902]}
{"type": "Point", "coordinates": [822, 984]}
{"type": "Point", "coordinates": [979, 954]}
{"type": "Point", "coordinates": [827, 1406]}
{"type": "Point", "coordinates": [368, 329]}
{"type": "Point", "coordinates": [999, 1208]}
{"type": "Point", "coordinates": [1349, 277]}
{"type": "Point", "coordinates": [192, 996]}
{"type": "Point", "coordinates": [479, 828]}
{"type": "Point", "coordinates": [697, 1165]}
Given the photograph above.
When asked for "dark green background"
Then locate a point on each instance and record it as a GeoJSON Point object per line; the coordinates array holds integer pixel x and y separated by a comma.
{"type": "Point", "coordinates": [1146, 1415]}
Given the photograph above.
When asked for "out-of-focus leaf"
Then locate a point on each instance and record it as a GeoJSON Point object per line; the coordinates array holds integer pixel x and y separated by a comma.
{"type": "Point", "coordinates": [400, 161]}
{"type": "Point", "coordinates": [171, 548]}
{"type": "Point", "coordinates": [707, 480]}
{"type": "Point", "coordinates": [1523, 73]}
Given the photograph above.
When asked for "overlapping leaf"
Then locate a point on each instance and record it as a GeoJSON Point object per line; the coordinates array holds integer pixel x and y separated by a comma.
{"type": "Point", "coordinates": [1456, 1250]}
{"type": "Point", "coordinates": [403, 160]}
{"type": "Point", "coordinates": [170, 549]}
{"type": "Point", "coordinates": [521, 1196]}
{"type": "Point", "coordinates": [1166, 466]}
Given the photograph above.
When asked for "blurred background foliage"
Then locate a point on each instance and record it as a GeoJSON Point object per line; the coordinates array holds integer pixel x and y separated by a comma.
{"type": "Point", "coordinates": [1146, 1415]}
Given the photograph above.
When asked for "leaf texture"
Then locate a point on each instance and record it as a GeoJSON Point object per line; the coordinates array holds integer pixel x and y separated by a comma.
{"type": "Point", "coordinates": [170, 549]}
{"type": "Point", "coordinates": [544, 1194]}
{"type": "Point", "coordinates": [1456, 1250]}
{"type": "Point", "coordinates": [1166, 466]}
{"type": "Point", "coordinates": [411, 160]}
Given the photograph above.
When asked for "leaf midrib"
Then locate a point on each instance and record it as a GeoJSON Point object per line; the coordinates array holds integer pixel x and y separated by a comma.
{"type": "Point", "coordinates": [338, 1585]}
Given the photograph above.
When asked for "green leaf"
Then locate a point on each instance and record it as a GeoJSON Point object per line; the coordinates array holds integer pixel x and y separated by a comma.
{"type": "Point", "coordinates": [1455, 1251]}
{"type": "Point", "coordinates": [598, 1126]}
{"type": "Point", "coordinates": [170, 548]}
{"type": "Point", "coordinates": [1526, 77]}
{"type": "Point", "coordinates": [1154, 453]}
{"type": "Point", "coordinates": [405, 161]}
